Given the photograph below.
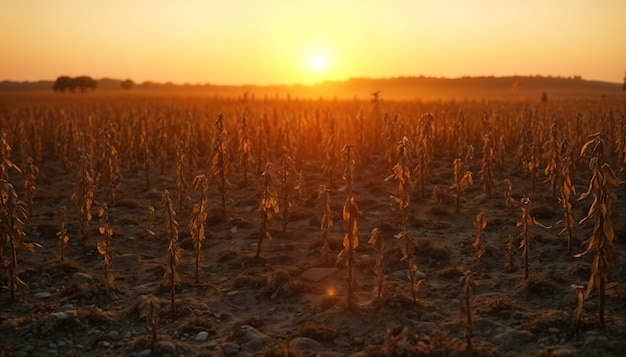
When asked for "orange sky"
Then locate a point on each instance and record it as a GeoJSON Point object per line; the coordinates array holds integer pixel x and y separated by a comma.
{"type": "Point", "coordinates": [273, 41]}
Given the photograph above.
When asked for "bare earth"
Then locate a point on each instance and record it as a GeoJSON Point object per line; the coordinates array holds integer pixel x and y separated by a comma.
{"type": "Point", "coordinates": [293, 298]}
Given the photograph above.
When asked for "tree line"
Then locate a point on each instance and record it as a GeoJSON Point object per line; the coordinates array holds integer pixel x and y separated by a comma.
{"type": "Point", "coordinates": [82, 83]}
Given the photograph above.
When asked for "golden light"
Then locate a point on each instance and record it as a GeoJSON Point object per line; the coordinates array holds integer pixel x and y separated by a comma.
{"type": "Point", "coordinates": [318, 63]}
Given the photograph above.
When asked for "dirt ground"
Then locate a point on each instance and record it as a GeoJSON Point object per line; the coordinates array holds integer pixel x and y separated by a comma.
{"type": "Point", "coordinates": [293, 298]}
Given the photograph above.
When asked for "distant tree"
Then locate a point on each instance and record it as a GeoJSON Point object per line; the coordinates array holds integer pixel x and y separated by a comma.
{"type": "Point", "coordinates": [544, 97]}
{"type": "Point", "coordinates": [62, 84]}
{"type": "Point", "coordinates": [624, 86]}
{"type": "Point", "coordinates": [127, 84]}
{"type": "Point", "coordinates": [84, 83]}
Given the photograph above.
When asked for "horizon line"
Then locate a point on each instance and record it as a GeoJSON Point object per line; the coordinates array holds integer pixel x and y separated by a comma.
{"type": "Point", "coordinates": [492, 76]}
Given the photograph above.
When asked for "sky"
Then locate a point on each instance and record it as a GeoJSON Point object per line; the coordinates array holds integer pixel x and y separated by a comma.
{"type": "Point", "coordinates": [289, 42]}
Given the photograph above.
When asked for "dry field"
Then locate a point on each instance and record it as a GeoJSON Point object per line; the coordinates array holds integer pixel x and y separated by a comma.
{"type": "Point", "coordinates": [146, 225]}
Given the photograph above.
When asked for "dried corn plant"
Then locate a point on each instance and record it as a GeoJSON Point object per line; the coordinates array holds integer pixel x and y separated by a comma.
{"type": "Point", "coordinates": [5, 155]}
{"type": "Point", "coordinates": [145, 156]}
{"type": "Point", "coordinates": [508, 195]}
{"type": "Point", "coordinates": [268, 207]}
{"type": "Point", "coordinates": [109, 161]}
{"type": "Point", "coordinates": [523, 153]}
{"type": "Point", "coordinates": [263, 140]}
{"type": "Point", "coordinates": [468, 284]}
{"type": "Point", "coordinates": [350, 218]}
{"type": "Point", "coordinates": [220, 162]}
{"type": "Point", "coordinates": [148, 309]}
{"type": "Point", "coordinates": [551, 154]}
{"type": "Point", "coordinates": [378, 241]}
{"type": "Point", "coordinates": [620, 145]}
{"type": "Point", "coordinates": [534, 164]}
{"type": "Point", "coordinates": [424, 150]}
{"type": "Point", "coordinates": [580, 298]}
{"type": "Point", "coordinates": [402, 175]}
{"type": "Point", "coordinates": [84, 192]}
{"type": "Point", "coordinates": [601, 186]}
{"type": "Point", "coordinates": [461, 181]}
{"type": "Point", "coordinates": [330, 151]}
{"type": "Point", "coordinates": [323, 195]}
{"type": "Point", "coordinates": [407, 246]}
{"type": "Point", "coordinates": [469, 154]}
{"type": "Point", "coordinates": [486, 165]}
{"type": "Point", "coordinates": [62, 233]}
{"type": "Point", "coordinates": [12, 218]}
{"type": "Point", "coordinates": [526, 223]}
{"type": "Point", "coordinates": [362, 152]}
{"type": "Point", "coordinates": [566, 190]}
{"type": "Point", "coordinates": [288, 181]}
{"type": "Point", "coordinates": [198, 218]}
{"type": "Point", "coordinates": [389, 137]}
{"type": "Point", "coordinates": [192, 147]}
{"type": "Point", "coordinates": [104, 244]}
{"type": "Point", "coordinates": [181, 182]}
{"type": "Point", "coordinates": [480, 222]}
{"type": "Point", "coordinates": [31, 171]}
{"type": "Point", "coordinates": [245, 147]}
{"type": "Point", "coordinates": [171, 275]}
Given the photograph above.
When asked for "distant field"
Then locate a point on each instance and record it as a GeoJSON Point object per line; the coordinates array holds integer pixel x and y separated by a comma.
{"type": "Point", "coordinates": [399, 88]}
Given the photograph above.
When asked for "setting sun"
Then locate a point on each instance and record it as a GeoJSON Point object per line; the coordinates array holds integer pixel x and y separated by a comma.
{"type": "Point", "coordinates": [318, 63]}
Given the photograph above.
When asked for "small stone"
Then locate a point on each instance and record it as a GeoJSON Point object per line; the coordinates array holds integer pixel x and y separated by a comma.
{"type": "Point", "coordinates": [166, 347]}
{"type": "Point", "coordinates": [52, 345]}
{"type": "Point", "coordinates": [79, 277]}
{"type": "Point", "coordinates": [232, 293]}
{"type": "Point", "coordinates": [58, 316]}
{"type": "Point", "coordinates": [106, 344]}
{"type": "Point", "coordinates": [306, 346]}
{"type": "Point", "coordinates": [252, 340]}
{"type": "Point", "coordinates": [66, 307]}
{"type": "Point", "coordinates": [70, 313]}
{"type": "Point", "coordinates": [61, 343]}
{"type": "Point", "coordinates": [79, 346]}
{"type": "Point", "coordinates": [114, 334]}
{"type": "Point", "coordinates": [554, 330]}
{"type": "Point", "coordinates": [145, 353]}
{"type": "Point", "coordinates": [52, 352]}
{"type": "Point", "coordinates": [202, 336]}
{"type": "Point", "coordinates": [93, 331]}
{"type": "Point", "coordinates": [42, 295]}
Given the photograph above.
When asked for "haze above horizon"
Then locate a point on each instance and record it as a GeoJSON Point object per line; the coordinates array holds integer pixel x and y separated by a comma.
{"type": "Point", "coordinates": [287, 42]}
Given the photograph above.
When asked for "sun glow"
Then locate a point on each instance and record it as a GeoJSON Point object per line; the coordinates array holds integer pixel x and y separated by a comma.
{"type": "Point", "coordinates": [318, 63]}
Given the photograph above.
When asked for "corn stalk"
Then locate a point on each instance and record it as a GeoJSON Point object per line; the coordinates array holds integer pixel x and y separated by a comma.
{"type": "Point", "coordinates": [601, 240]}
